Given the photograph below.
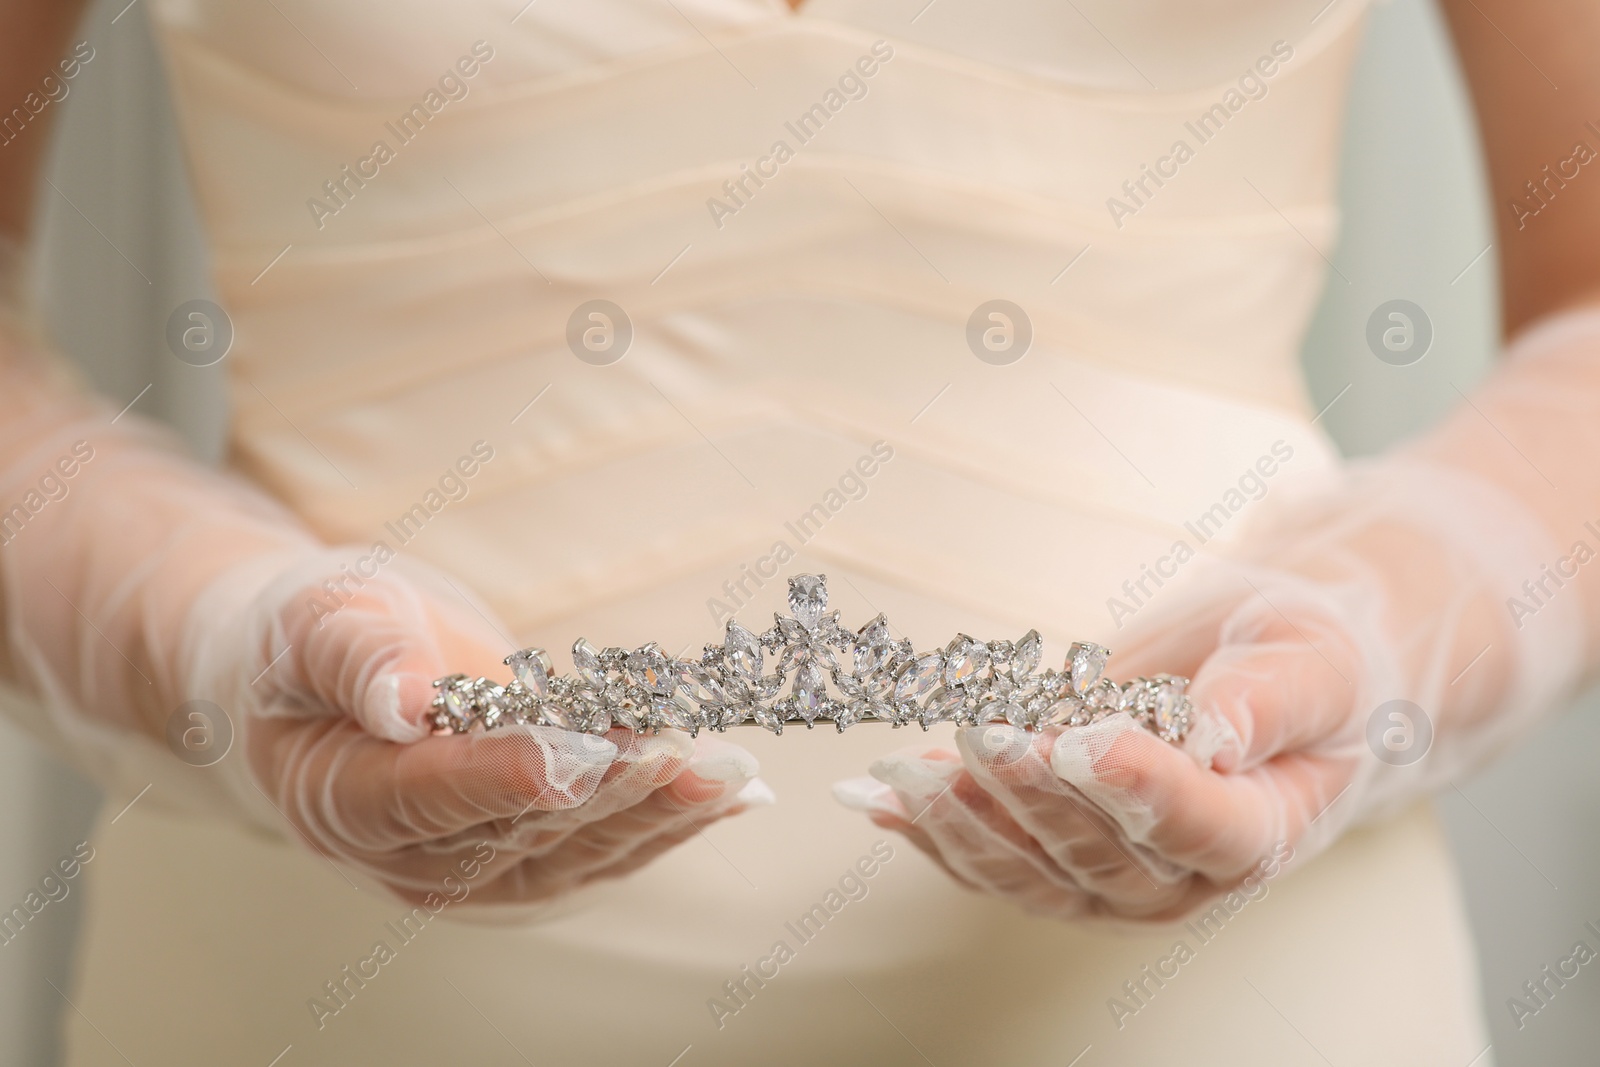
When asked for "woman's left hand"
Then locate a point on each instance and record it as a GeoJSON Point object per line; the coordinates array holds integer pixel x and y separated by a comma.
{"type": "Point", "coordinates": [1340, 666]}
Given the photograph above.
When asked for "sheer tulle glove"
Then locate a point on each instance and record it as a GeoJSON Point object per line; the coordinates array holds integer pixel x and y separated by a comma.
{"type": "Point", "coordinates": [149, 602]}
{"type": "Point", "coordinates": [331, 709]}
{"type": "Point", "coordinates": [1383, 635]}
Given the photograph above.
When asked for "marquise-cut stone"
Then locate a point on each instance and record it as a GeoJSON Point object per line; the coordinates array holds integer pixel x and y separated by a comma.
{"type": "Point", "coordinates": [989, 710]}
{"type": "Point", "coordinates": [918, 676]}
{"type": "Point", "coordinates": [874, 646]}
{"type": "Point", "coordinates": [457, 706]}
{"type": "Point", "coordinates": [808, 598]}
{"type": "Point", "coordinates": [698, 684]}
{"type": "Point", "coordinates": [1085, 663]}
{"type": "Point", "coordinates": [628, 717]}
{"type": "Point", "coordinates": [734, 690]}
{"type": "Point", "coordinates": [943, 704]}
{"type": "Point", "coordinates": [769, 719]}
{"type": "Point", "coordinates": [670, 714]}
{"type": "Point", "coordinates": [722, 718]}
{"type": "Point", "coordinates": [1062, 713]}
{"type": "Point", "coordinates": [810, 694]}
{"type": "Point", "coordinates": [850, 714]}
{"type": "Point", "coordinates": [586, 658]}
{"type": "Point", "coordinates": [849, 685]}
{"type": "Point", "coordinates": [649, 668]}
{"type": "Point", "coordinates": [743, 651]}
{"type": "Point", "coordinates": [965, 660]}
{"type": "Point", "coordinates": [560, 716]}
{"type": "Point", "coordinates": [1017, 715]}
{"type": "Point", "coordinates": [1167, 704]}
{"type": "Point", "coordinates": [1025, 658]}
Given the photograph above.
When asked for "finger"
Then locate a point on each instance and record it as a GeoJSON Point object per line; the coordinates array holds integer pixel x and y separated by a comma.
{"type": "Point", "coordinates": [1013, 766]}
{"type": "Point", "coordinates": [352, 791]}
{"type": "Point", "coordinates": [1270, 698]}
{"type": "Point", "coordinates": [1217, 824]}
{"type": "Point", "coordinates": [974, 834]}
{"type": "Point", "coordinates": [999, 871]}
{"type": "Point", "coordinates": [575, 854]}
{"type": "Point", "coordinates": [541, 878]}
{"type": "Point", "coordinates": [883, 806]}
{"type": "Point", "coordinates": [691, 776]}
{"type": "Point", "coordinates": [1177, 641]}
{"type": "Point", "coordinates": [372, 652]}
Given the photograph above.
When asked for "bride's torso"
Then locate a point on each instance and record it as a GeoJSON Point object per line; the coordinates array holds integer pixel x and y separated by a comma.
{"type": "Point", "coordinates": [408, 203]}
{"type": "Point", "coordinates": [403, 269]}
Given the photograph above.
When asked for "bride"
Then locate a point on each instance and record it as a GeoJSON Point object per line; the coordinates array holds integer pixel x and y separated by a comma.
{"type": "Point", "coordinates": [547, 321]}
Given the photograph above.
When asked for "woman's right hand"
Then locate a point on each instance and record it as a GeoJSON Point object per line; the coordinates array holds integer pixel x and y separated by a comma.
{"type": "Point", "coordinates": [331, 712]}
{"type": "Point", "coordinates": [133, 581]}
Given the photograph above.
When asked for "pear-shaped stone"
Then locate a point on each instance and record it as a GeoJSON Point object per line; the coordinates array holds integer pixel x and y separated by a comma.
{"type": "Point", "coordinates": [532, 669]}
{"type": "Point", "coordinates": [808, 597]}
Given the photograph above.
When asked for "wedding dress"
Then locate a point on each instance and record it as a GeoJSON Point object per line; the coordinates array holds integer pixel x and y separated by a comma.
{"type": "Point", "coordinates": [799, 389]}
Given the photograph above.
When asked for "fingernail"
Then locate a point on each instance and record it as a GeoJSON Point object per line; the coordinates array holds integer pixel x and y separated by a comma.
{"type": "Point", "coordinates": [594, 751]}
{"type": "Point", "coordinates": [1076, 751]}
{"type": "Point", "coordinates": [993, 743]}
{"type": "Point", "coordinates": [757, 794]}
{"type": "Point", "coordinates": [727, 764]}
{"type": "Point", "coordinates": [909, 775]}
{"type": "Point", "coordinates": [385, 700]}
{"type": "Point", "coordinates": [865, 795]}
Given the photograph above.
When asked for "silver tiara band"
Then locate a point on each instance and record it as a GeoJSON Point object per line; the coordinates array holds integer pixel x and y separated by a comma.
{"type": "Point", "coordinates": [874, 679]}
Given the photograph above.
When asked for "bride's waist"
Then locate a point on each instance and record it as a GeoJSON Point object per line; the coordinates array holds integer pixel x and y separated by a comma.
{"type": "Point", "coordinates": [551, 483]}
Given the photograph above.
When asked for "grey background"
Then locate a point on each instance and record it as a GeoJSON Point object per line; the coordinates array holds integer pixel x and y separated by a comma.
{"type": "Point", "coordinates": [1416, 219]}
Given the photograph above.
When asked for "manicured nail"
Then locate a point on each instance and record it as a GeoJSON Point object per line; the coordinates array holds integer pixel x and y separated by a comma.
{"type": "Point", "coordinates": [385, 717]}
{"type": "Point", "coordinates": [911, 776]}
{"type": "Point", "coordinates": [728, 763]}
{"type": "Point", "coordinates": [866, 795]}
{"type": "Point", "coordinates": [757, 794]}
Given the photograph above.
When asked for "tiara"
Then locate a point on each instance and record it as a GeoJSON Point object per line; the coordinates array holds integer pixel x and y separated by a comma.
{"type": "Point", "coordinates": [875, 679]}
